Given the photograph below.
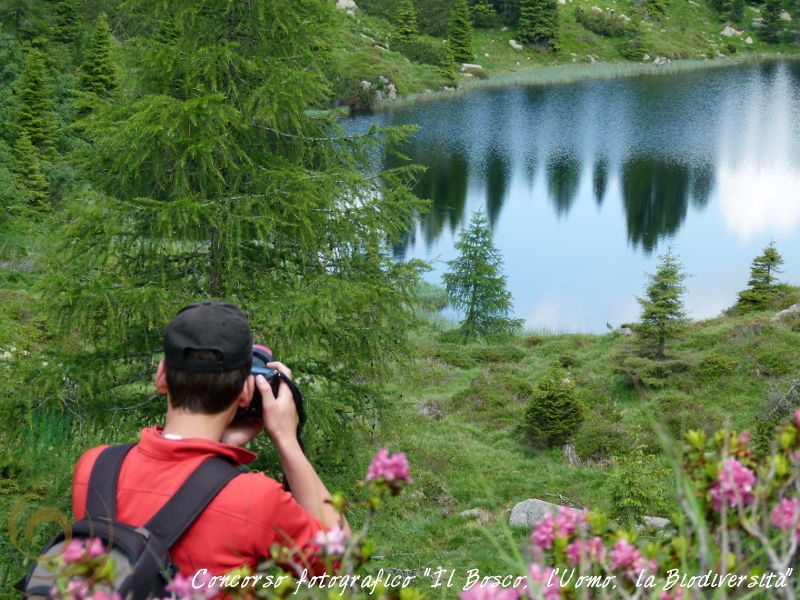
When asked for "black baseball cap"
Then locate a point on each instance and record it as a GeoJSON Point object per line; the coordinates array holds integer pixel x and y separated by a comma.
{"type": "Point", "coordinates": [217, 326]}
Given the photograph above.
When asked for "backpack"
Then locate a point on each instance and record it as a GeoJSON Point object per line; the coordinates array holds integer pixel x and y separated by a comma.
{"type": "Point", "coordinates": [143, 566]}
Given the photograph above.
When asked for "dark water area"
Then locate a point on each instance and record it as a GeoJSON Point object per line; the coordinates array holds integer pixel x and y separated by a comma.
{"type": "Point", "coordinates": [585, 184]}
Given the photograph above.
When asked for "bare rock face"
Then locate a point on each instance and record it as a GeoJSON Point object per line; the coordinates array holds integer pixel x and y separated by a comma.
{"type": "Point", "coordinates": [792, 311]}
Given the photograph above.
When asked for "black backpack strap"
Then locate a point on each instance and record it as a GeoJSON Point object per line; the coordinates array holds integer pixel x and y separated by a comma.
{"type": "Point", "coordinates": [101, 497]}
{"type": "Point", "coordinates": [199, 489]}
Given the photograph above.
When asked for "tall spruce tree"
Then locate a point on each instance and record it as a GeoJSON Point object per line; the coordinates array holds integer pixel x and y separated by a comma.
{"type": "Point", "coordinates": [213, 179]}
{"type": "Point", "coordinates": [663, 317]}
{"type": "Point", "coordinates": [29, 175]}
{"type": "Point", "coordinates": [405, 20]}
{"type": "Point", "coordinates": [98, 73]}
{"type": "Point", "coordinates": [475, 283]}
{"type": "Point", "coordinates": [554, 413]}
{"type": "Point", "coordinates": [634, 46]}
{"type": "Point", "coordinates": [773, 26]}
{"type": "Point", "coordinates": [448, 68]}
{"type": "Point", "coordinates": [763, 274]}
{"type": "Point", "coordinates": [459, 33]}
{"type": "Point", "coordinates": [67, 22]}
{"type": "Point", "coordinates": [539, 24]}
{"type": "Point", "coordinates": [34, 108]}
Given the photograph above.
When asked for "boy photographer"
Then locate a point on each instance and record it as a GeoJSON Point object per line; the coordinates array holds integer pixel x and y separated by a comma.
{"type": "Point", "coordinates": [206, 377]}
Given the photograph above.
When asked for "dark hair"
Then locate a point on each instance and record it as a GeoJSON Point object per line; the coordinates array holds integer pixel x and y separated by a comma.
{"type": "Point", "coordinates": [207, 393]}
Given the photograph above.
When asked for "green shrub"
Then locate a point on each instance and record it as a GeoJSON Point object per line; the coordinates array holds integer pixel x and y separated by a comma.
{"type": "Point", "coordinates": [565, 361]}
{"type": "Point", "coordinates": [606, 23]}
{"type": "Point", "coordinates": [533, 340]}
{"type": "Point", "coordinates": [778, 406]}
{"type": "Point", "coordinates": [646, 372]}
{"type": "Point", "coordinates": [419, 50]}
{"type": "Point", "coordinates": [600, 439]}
{"type": "Point", "coordinates": [497, 353]}
{"type": "Point", "coordinates": [679, 413]}
{"type": "Point", "coordinates": [638, 487]}
{"type": "Point", "coordinates": [494, 397]}
{"type": "Point", "coordinates": [776, 360]}
{"type": "Point", "coordinates": [714, 365]}
{"type": "Point", "coordinates": [555, 412]}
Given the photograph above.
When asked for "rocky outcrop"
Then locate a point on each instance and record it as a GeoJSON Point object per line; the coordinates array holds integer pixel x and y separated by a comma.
{"type": "Point", "coordinates": [529, 512]}
{"type": "Point", "coordinates": [347, 6]}
{"type": "Point", "coordinates": [515, 45]}
{"type": "Point", "coordinates": [792, 311]}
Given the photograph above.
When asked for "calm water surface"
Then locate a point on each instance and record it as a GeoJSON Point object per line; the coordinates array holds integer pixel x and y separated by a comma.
{"type": "Point", "coordinates": [585, 184]}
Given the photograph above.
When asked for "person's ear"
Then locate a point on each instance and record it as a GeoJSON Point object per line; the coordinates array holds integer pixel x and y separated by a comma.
{"type": "Point", "coordinates": [161, 378]}
{"type": "Point", "coordinates": [246, 395]}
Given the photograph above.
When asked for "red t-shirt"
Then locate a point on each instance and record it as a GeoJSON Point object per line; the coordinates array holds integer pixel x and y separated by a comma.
{"type": "Point", "coordinates": [237, 528]}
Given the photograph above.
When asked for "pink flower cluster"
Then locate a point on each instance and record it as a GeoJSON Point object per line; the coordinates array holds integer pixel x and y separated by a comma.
{"type": "Point", "coordinates": [390, 468]}
{"type": "Point", "coordinates": [546, 579]}
{"type": "Point", "coordinates": [197, 587]}
{"type": "Point", "coordinates": [80, 589]}
{"type": "Point", "coordinates": [550, 527]}
{"type": "Point", "coordinates": [592, 550]}
{"type": "Point", "coordinates": [627, 557]}
{"type": "Point", "coordinates": [786, 514]}
{"type": "Point", "coordinates": [734, 485]}
{"type": "Point", "coordinates": [489, 592]}
{"type": "Point", "coordinates": [77, 549]}
{"type": "Point", "coordinates": [332, 542]}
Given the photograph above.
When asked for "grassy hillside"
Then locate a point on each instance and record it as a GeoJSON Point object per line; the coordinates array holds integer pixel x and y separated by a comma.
{"type": "Point", "coordinates": [689, 30]}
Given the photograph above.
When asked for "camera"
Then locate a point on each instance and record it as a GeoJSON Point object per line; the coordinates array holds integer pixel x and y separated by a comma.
{"type": "Point", "coordinates": [261, 356]}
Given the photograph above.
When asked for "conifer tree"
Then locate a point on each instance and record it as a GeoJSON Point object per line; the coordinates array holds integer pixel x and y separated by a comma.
{"type": "Point", "coordinates": [655, 9]}
{"type": "Point", "coordinates": [34, 109]}
{"type": "Point", "coordinates": [763, 273]}
{"type": "Point", "coordinates": [26, 168]}
{"type": "Point", "coordinates": [448, 69]}
{"type": "Point", "coordinates": [554, 413]}
{"type": "Point", "coordinates": [405, 20]}
{"type": "Point", "coordinates": [475, 283]}
{"type": "Point", "coordinates": [67, 22]}
{"type": "Point", "coordinates": [212, 179]}
{"type": "Point", "coordinates": [539, 24]}
{"type": "Point", "coordinates": [459, 34]}
{"type": "Point", "coordinates": [663, 317]}
{"type": "Point", "coordinates": [773, 27]}
{"type": "Point", "coordinates": [98, 74]}
{"type": "Point", "coordinates": [634, 49]}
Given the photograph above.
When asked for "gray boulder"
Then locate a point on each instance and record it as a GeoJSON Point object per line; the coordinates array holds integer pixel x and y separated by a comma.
{"type": "Point", "coordinates": [529, 512]}
{"type": "Point", "coordinates": [515, 45]}
{"type": "Point", "coordinates": [785, 16]}
{"type": "Point", "coordinates": [347, 6]}
{"type": "Point", "coordinates": [730, 31]}
{"type": "Point", "coordinates": [792, 311]}
{"type": "Point", "coordinates": [655, 522]}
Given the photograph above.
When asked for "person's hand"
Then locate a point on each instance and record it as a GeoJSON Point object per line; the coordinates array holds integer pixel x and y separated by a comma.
{"type": "Point", "coordinates": [239, 433]}
{"type": "Point", "coordinates": [280, 414]}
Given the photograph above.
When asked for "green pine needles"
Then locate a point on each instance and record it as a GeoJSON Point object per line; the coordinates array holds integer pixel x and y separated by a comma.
{"type": "Point", "coordinates": [34, 115]}
{"type": "Point", "coordinates": [476, 285]}
{"type": "Point", "coordinates": [405, 20]}
{"type": "Point", "coordinates": [539, 24]}
{"type": "Point", "coordinates": [663, 317]}
{"type": "Point", "coordinates": [29, 175]}
{"type": "Point", "coordinates": [459, 33]}
{"type": "Point", "coordinates": [98, 73]}
{"type": "Point", "coordinates": [213, 178]}
{"type": "Point", "coordinates": [554, 413]}
{"type": "Point", "coordinates": [763, 274]}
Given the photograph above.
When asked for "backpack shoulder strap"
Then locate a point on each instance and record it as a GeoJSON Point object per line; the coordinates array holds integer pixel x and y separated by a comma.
{"type": "Point", "coordinates": [101, 497]}
{"type": "Point", "coordinates": [199, 489]}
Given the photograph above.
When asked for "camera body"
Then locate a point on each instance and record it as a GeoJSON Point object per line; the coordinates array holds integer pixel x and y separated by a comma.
{"type": "Point", "coordinates": [261, 356]}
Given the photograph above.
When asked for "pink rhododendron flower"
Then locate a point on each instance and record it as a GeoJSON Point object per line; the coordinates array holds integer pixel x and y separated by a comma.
{"type": "Point", "coordinates": [74, 552]}
{"type": "Point", "coordinates": [332, 542]}
{"type": "Point", "coordinates": [744, 437]}
{"type": "Point", "coordinates": [96, 547]}
{"type": "Point", "coordinates": [734, 485]}
{"type": "Point", "coordinates": [786, 513]}
{"type": "Point", "coordinates": [567, 520]}
{"type": "Point", "coordinates": [196, 587]}
{"type": "Point", "coordinates": [489, 592]}
{"type": "Point", "coordinates": [544, 533]}
{"type": "Point", "coordinates": [104, 596]}
{"type": "Point", "coordinates": [674, 594]}
{"type": "Point", "coordinates": [391, 468]}
{"type": "Point", "coordinates": [797, 418]}
{"type": "Point", "coordinates": [546, 580]}
{"type": "Point", "coordinates": [592, 550]}
{"type": "Point", "coordinates": [628, 558]}
{"type": "Point", "coordinates": [76, 589]}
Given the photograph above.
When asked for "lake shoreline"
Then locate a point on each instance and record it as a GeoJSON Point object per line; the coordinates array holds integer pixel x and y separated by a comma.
{"type": "Point", "coordinates": [571, 73]}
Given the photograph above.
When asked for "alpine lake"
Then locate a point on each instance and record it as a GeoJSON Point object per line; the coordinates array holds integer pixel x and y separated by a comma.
{"type": "Point", "coordinates": [585, 184]}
